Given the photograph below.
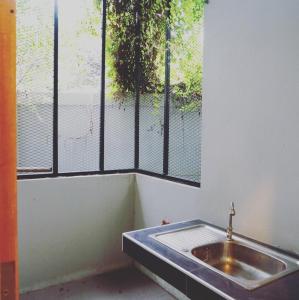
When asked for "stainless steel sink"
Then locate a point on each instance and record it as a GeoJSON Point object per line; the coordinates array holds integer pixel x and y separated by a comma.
{"type": "Point", "coordinates": [248, 264]}
{"type": "Point", "coordinates": [241, 262]}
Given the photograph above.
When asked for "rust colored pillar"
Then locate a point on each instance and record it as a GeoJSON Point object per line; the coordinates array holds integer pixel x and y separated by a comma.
{"type": "Point", "coordinates": [8, 197]}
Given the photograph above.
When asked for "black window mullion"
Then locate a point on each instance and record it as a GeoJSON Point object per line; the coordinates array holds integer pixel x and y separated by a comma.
{"type": "Point", "coordinates": [137, 79]}
{"type": "Point", "coordinates": [103, 78]}
{"type": "Point", "coordinates": [55, 92]}
{"type": "Point", "coordinates": [167, 93]}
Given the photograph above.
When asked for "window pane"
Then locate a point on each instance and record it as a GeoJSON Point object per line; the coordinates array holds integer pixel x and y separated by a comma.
{"type": "Point", "coordinates": [185, 82]}
{"type": "Point", "coordinates": [79, 84]}
{"type": "Point", "coordinates": [151, 132]}
{"type": "Point", "coordinates": [35, 31]}
{"type": "Point", "coordinates": [151, 128]}
{"type": "Point", "coordinates": [120, 86]}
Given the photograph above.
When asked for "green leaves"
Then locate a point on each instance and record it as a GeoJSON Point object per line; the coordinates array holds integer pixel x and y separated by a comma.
{"type": "Point", "coordinates": [186, 53]}
{"type": "Point", "coordinates": [126, 43]}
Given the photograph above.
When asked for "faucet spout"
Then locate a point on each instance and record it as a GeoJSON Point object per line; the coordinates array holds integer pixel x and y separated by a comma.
{"type": "Point", "coordinates": [229, 230]}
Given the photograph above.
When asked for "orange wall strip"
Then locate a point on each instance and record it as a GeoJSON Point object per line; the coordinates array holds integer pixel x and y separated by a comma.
{"type": "Point", "coordinates": [8, 182]}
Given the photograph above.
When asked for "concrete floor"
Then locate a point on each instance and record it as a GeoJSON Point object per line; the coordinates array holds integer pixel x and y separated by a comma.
{"type": "Point", "coordinates": [127, 284]}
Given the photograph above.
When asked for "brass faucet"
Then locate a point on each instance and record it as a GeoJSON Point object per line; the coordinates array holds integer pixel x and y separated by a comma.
{"type": "Point", "coordinates": [229, 230]}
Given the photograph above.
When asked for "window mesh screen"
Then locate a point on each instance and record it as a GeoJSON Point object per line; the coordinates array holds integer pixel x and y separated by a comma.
{"type": "Point", "coordinates": [35, 29]}
{"type": "Point", "coordinates": [151, 133]}
{"type": "Point", "coordinates": [79, 85]}
{"type": "Point", "coordinates": [152, 85]}
{"type": "Point", "coordinates": [184, 148]}
{"type": "Point", "coordinates": [119, 133]}
{"type": "Point", "coordinates": [185, 95]}
{"type": "Point", "coordinates": [120, 87]}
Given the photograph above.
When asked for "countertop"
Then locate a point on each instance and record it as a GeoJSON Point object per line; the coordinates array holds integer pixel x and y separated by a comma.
{"type": "Point", "coordinates": [194, 279]}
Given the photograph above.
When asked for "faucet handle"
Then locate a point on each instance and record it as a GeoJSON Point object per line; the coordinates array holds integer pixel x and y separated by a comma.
{"type": "Point", "coordinates": [232, 208]}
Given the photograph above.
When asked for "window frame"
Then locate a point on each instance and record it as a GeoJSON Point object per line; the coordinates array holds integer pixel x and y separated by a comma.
{"type": "Point", "coordinates": [55, 170]}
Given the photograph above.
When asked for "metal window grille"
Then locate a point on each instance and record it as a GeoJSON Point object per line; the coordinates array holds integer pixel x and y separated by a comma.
{"type": "Point", "coordinates": [70, 123]}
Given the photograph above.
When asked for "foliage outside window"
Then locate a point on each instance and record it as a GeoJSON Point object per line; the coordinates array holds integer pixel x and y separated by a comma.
{"type": "Point", "coordinates": [186, 53]}
{"type": "Point", "coordinates": [186, 57]}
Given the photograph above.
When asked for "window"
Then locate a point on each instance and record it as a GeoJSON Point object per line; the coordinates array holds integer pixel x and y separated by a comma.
{"type": "Point", "coordinates": [109, 86]}
{"type": "Point", "coordinates": [35, 31]}
{"type": "Point", "coordinates": [185, 90]}
{"type": "Point", "coordinates": [79, 85]}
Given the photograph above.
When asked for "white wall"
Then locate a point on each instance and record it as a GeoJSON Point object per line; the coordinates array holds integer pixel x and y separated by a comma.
{"type": "Point", "coordinates": [250, 146]}
{"type": "Point", "coordinates": [71, 227]}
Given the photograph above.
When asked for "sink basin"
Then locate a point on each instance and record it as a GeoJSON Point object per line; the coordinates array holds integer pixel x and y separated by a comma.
{"type": "Point", "coordinates": [244, 262]}
{"type": "Point", "coordinates": [241, 262]}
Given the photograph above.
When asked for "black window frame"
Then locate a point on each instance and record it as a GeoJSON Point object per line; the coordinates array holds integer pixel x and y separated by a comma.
{"type": "Point", "coordinates": [55, 170]}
